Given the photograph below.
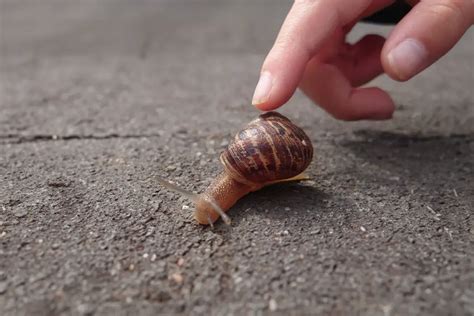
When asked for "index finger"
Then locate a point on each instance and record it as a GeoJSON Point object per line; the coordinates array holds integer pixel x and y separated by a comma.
{"type": "Point", "coordinates": [309, 24]}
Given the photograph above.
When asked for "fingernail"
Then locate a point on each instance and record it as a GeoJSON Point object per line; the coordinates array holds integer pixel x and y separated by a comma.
{"type": "Point", "coordinates": [407, 58]}
{"type": "Point", "coordinates": [262, 91]}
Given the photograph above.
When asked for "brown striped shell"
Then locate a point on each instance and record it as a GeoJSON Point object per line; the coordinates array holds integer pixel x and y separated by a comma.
{"type": "Point", "coordinates": [270, 148]}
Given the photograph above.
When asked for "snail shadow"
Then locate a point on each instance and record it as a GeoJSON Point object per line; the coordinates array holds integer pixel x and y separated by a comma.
{"type": "Point", "coordinates": [278, 203]}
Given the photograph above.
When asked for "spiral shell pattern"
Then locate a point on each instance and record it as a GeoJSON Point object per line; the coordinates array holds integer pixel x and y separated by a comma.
{"type": "Point", "coordinates": [269, 148]}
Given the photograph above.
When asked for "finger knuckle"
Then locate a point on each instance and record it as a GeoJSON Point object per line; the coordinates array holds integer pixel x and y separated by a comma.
{"type": "Point", "coordinates": [455, 10]}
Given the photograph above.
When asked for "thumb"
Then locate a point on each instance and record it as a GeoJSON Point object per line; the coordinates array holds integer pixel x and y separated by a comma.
{"type": "Point", "coordinates": [424, 35]}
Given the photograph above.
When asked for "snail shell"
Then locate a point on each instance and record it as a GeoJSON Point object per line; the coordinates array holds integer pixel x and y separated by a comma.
{"type": "Point", "coordinates": [269, 149]}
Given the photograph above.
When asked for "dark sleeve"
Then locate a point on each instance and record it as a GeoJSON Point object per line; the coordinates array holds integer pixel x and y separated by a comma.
{"type": "Point", "coordinates": [391, 14]}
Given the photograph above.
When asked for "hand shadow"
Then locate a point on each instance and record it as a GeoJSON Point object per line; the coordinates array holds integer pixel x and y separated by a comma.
{"type": "Point", "coordinates": [434, 166]}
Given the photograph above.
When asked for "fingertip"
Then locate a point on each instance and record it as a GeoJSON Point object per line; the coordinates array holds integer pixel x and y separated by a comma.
{"type": "Point", "coordinates": [424, 35]}
{"type": "Point", "coordinates": [265, 106]}
{"type": "Point", "coordinates": [373, 103]}
{"type": "Point", "coordinates": [271, 103]}
{"type": "Point", "coordinates": [365, 104]}
{"type": "Point", "coordinates": [405, 60]}
{"type": "Point", "coordinates": [272, 91]}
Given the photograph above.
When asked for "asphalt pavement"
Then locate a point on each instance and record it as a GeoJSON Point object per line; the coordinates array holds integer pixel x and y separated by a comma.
{"type": "Point", "coordinates": [98, 96]}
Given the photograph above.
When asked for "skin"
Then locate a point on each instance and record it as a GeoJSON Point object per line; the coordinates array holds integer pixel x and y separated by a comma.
{"type": "Point", "coordinates": [310, 52]}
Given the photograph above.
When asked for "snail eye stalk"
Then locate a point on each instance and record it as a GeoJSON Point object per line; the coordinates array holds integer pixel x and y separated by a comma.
{"type": "Point", "coordinates": [195, 197]}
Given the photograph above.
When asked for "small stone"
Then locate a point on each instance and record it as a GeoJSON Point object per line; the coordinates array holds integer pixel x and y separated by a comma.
{"type": "Point", "coordinates": [224, 143]}
{"type": "Point", "coordinates": [177, 277]}
{"type": "Point", "coordinates": [55, 246]}
{"type": "Point", "coordinates": [272, 305]}
{"type": "Point", "coordinates": [287, 209]}
{"type": "Point", "coordinates": [145, 255]}
{"type": "Point", "coordinates": [3, 287]}
{"type": "Point", "coordinates": [115, 269]}
{"type": "Point", "coordinates": [429, 279]}
{"type": "Point", "coordinates": [362, 228]}
{"type": "Point", "coordinates": [185, 207]}
{"type": "Point", "coordinates": [315, 231]}
{"type": "Point", "coordinates": [17, 280]}
{"type": "Point", "coordinates": [180, 262]}
{"type": "Point", "coordinates": [37, 277]}
{"type": "Point", "coordinates": [153, 257]}
{"type": "Point", "coordinates": [85, 309]}
{"type": "Point", "coordinates": [285, 232]}
{"type": "Point", "coordinates": [20, 212]}
{"type": "Point", "coordinates": [170, 168]}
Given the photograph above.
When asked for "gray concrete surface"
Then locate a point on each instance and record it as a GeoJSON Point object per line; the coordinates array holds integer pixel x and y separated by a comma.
{"type": "Point", "coordinates": [96, 96]}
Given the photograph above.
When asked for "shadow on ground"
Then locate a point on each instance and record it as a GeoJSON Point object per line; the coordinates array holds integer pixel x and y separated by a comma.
{"type": "Point", "coordinates": [426, 162]}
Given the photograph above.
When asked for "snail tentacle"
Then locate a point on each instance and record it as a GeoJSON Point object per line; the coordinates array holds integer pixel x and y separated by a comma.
{"type": "Point", "coordinates": [209, 220]}
{"type": "Point", "coordinates": [195, 198]}
{"type": "Point", "coordinates": [217, 208]}
{"type": "Point", "coordinates": [170, 186]}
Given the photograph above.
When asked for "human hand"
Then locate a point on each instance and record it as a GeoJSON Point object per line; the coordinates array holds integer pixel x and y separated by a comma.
{"type": "Point", "coordinates": [310, 52]}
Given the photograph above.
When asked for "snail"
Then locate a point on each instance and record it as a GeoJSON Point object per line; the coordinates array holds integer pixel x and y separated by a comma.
{"type": "Point", "coordinates": [270, 149]}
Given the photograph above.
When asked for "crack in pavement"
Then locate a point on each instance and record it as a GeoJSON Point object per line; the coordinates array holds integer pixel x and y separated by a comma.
{"type": "Point", "coordinates": [20, 139]}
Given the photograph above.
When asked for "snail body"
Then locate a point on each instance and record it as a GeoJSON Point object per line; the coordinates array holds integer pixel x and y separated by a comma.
{"type": "Point", "coordinates": [269, 149]}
